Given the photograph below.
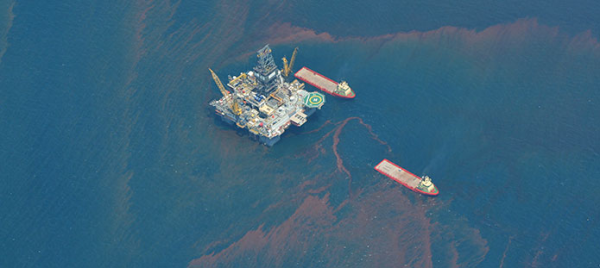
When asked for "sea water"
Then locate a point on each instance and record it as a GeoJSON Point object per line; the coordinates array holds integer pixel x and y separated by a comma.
{"type": "Point", "coordinates": [111, 156]}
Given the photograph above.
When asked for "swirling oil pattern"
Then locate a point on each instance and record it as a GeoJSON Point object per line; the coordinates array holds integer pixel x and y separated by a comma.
{"type": "Point", "coordinates": [112, 157]}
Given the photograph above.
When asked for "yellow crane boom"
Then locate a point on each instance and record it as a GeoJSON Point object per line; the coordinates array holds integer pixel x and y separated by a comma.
{"type": "Point", "coordinates": [218, 82]}
{"type": "Point", "coordinates": [235, 107]}
{"type": "Point", "coordinates": [287, 68]}
{"type": "Point", "coordinates": [291, 67]}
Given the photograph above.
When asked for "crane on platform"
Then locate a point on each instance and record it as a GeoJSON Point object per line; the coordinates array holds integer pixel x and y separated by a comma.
{"type": "Point", "coordinates": [288, 68]}
{"type": "Point", "coordinates": [235, 107]}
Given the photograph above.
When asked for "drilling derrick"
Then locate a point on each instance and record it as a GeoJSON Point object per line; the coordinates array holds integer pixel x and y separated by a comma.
{"type": "Point", "coordinates": [266, 71]}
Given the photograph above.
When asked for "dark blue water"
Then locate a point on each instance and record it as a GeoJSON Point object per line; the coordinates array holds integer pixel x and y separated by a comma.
{"type": "Point", "coordinates": [111, 156]}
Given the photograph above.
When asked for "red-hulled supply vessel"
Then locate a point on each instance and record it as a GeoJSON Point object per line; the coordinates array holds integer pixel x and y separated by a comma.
{"type": "Point", "coordinates": [325, 84]}
{"type": "Point", "coordinates": [411, 181]}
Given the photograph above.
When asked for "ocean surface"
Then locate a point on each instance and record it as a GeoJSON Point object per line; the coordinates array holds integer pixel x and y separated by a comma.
{"type": "Point", "coordinates": [111, 157]}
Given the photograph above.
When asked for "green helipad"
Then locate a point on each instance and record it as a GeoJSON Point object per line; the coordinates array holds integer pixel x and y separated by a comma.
{"type": "Point", "coordinates": [314, 100]}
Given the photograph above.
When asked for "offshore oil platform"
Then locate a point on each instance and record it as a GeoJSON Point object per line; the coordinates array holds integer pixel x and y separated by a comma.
{"type": "Point", "coordinates": [262, 102]}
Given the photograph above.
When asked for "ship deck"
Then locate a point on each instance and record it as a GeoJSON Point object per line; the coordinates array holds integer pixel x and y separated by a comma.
{"type": "Point", "coordinates": [398, 174]}
{"type": "Point", "coordinates": [316, 79]}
